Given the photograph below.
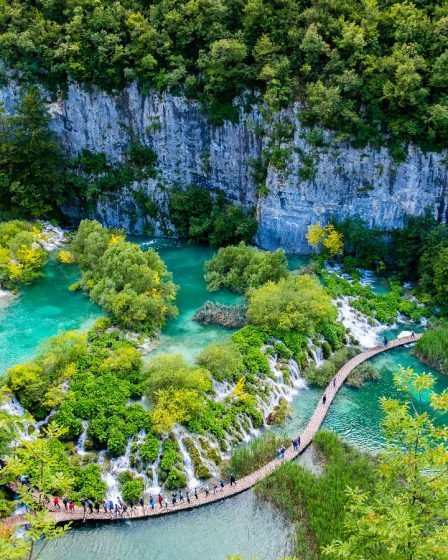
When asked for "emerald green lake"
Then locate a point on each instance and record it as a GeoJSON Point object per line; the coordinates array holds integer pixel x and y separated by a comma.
{"type": "Point", "coordinates": [240, 525]}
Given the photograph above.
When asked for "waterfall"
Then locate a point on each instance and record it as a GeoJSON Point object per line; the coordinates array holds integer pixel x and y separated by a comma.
{"type": "Point", "coordinates": [180, 433]}
{"type": "Point", "coordinates": [117, 466]}
{"type": "Point", "coordinates": [80, 445]}
{"type": "Point", "coordinates": [316, 352]}
{"type": "Point", "coordinates": [155, 487]}
{"type": "Point", "coordinates": [359, 324]}
{"type": "Point", "coordinates": [222, 389]}
{"type": "Point", "coordinates": [45, 421]}
{"type": "Point", "coordinates": [298, 381]}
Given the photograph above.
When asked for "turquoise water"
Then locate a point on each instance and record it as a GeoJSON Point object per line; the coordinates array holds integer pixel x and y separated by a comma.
{"type": "Point", "coordinates": [40, 311]}
{"type": "Point", "coordinates": [240, 525]}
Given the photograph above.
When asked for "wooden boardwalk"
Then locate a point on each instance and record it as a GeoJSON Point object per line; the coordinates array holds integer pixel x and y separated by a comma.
{"type": "Point", "coordinates": [247, 482]}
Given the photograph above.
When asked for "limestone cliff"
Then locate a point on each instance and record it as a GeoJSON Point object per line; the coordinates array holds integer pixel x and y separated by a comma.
{"type": "Point", "coordinates": [343, 181]}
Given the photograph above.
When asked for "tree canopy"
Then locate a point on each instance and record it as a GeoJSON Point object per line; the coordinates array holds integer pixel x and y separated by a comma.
{"type": "Point", "coordinates": [297, 303]}
{"type": "Point", "coordinates": [132, 285]}
{"type": "Point", "coordinates": [241, 267]}
{"type": "Point", "coordinates": [362, 68]}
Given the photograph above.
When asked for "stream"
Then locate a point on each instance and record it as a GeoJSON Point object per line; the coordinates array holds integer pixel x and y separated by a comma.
{"type": "Point", "coordinates": [241, 525]}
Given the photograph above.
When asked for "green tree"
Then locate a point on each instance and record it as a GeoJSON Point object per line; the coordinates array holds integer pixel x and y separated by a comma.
{"type": "Point", "coordinates": [296, 303]}
{"type": "Point", "coordinates": [35, 458]}
{"type": "Point", "coordinates": [242, 267]}
{"type": "Point", "coordinates": [406, 517]}
{"type": "Point", "coordinates": [224, 361]}
{"type": "Point", "coordinates": [30, 175]}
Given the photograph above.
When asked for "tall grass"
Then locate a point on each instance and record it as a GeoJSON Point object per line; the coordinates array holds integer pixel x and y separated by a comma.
{"type": "Point", "coordinates": [315, 504]}
{"type": "Point", "coordinates": [432, 348]}
{"type": "Point", "coordinates": [250, 457]}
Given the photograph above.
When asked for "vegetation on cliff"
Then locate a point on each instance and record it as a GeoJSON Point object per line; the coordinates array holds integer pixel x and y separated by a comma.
{"type": "Point", "coordinates": [132, 285]}
{"type": "Point", "coordinates": [362, 69]}
{"type": "Point", "coordinates": [209, 217]}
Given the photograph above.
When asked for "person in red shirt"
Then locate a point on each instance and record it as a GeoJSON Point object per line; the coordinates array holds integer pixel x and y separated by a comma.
{"type": "Point", "coordinates": [56, 503]}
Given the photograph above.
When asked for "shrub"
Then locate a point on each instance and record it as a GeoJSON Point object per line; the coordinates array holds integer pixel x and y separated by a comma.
{"type": "Point", "coordinates": [209, 218]}
{"type": "Point", "coordinates": [131, 486]}
{"type": "Point", "coordinates": [241, 267]}
{"type": "Point", "coordinates": [432, 348]}
{"type": "Point", "coordinates": [295, 303]}
{"type": "Point", "coordinates": [149, 450]}
{"type": "Point", "coordinates": [250, 457]}
{"type": "Point", "coordinates": [89, 484]}
{"type": "Point", "coordinates": [224, 361]}
{"type": "Point", "coordinates": [326, 349]}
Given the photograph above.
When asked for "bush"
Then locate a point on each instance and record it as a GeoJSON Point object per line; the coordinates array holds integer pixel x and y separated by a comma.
{"type": "Point", "coordinates": [209, 218]}
{"type": "Point", "coordinates": [149, 450]}
{"type": "Point", "coordinates": [362, 373]}
{"type": "Point", "coordinates": [131, 487]}
{"type": "Point", "coordinates": [250, 457]}
{"type": "Point", "coordinates": [241, 267]}
{"type": "Point", "coordinates": [314, 503]}
{"type": "Point", "coordinates": [326, 349]}
{"type": "Point", "coordinates": [432, 347]}
{"type": "Point", "coordinates": [224, 361]}
{"type": "Point", "coordinates": [89, 484]}
{"type": "Point", "coordinates": [296, 303]}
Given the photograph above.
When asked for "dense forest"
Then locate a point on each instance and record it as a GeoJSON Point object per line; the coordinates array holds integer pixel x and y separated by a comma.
{"type": "Point", "coordinates": [374, 70]}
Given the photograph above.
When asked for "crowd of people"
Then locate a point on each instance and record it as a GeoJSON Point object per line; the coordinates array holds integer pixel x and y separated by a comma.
{"type": "Point", "coordinates": [120, 509]}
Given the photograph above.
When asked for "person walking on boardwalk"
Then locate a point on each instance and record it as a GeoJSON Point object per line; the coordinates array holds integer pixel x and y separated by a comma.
{"type": "Point", "coordinates": [295, 445]}
{"type": "Point", "coordinates": [166, 502]}
{"type": "Point", "coordinates": [279, 453]}
{"type": "Point", "coordinates": [151, 502]}
{"type": "Point", "coordinates": [206, 491]}
{"type": "Point", "coordinates": [97, 506]}
{"type": "Point", "coordinates": [181, 496]}
{"type": "Point", "coordinates": [324, 399]}
{"type": "Point", "coordinates": [160, 500]}
{"type": "Point", "coordinates": [65, 502]}
{"type": "Point", "coordinates": [111, 506]}
{"type": "Point", "coordinates": [334, 381]}
{"type": "Point", "coordinates": [187, 495]}
{"type": "Point", "coordinates": [215, 487]}
{"type": "Point", "coordinates": [105, 506]}
{"type": "Point", "coordinates": [232, 480]}
{"type": "Point", "coordinates": [90, 505]}
{"type": "Point", "coordinates": [385, 342]}
{"type": "Point", "coordinates": [196, 493]}
{"type": "Point", "coordinates": [282, 451]}
{"type": "Point", "coordinates": [71, 507]}
{"type": "Point", "coordinates": [83, 503]}
{"type": "Point", "coordinates": [173, 498]}
{"type": "Point", "coordinates": [57, 506]}
{"type": "Point", "coordinates": [222, 485]}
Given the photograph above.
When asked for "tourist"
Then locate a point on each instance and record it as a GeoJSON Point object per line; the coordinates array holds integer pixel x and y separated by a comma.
{"type": "Point", "coordinates": [56, 503]}
{"type": "Point", "coordinates": [196, 493]}
{"type": "Point", "coordinates": [298, 442]}
{"type": "Point", "coordinates": [124, 509]}
{"type": "Point", "coordinates": [282, 451]}
{"type": "Point", "coordinates": [65, 502]}
{"type": "Point", "coordinates": [413, 334]}
{"type": "Point", "coordinates": [173, 498]}
{"type": "Point", "coordinates": [222, 485]}
{"type": "Point", "coordinates": [97, 506]}
{"type": "Point", "coordinates": [151, 502]}
{"type": "Point", "coordinates": [166, 501]}
{"type": "Point", "coordinates": [83, 503]}
{"type": "Point", "coordinates": [232, 480]}
{"type": "Point", "coordinates": [206, 491]}
{"type": "Point", "coordinates": [181, 496]}
{"type": "Point", "coordinates": [295, 444]}
{"type": "Point", "coordinates": [278, 453]}
{"type": "Point", "coordinates": [117, 510]}
{"type": "Point", "coordinates": [324, 399]}
{"type": "Point", "coordinates": [187, 495]}
{"type": "Point", "coordinates": [71, 507]}
{"type": "Point", "coordinates": [90, 505]}
{"type": "Point", "coordinates": [105, 506]}
{"type": "Point", "coordinates": [385, 342]}
{"type": "Point", "coordinates": [160, 500]}
{"type": "Point", "coordinates": [334, 381]}
{"type": "Point", "coordinates": [215, 487]}
{"type": "Point", "coordinates": [111, 506]}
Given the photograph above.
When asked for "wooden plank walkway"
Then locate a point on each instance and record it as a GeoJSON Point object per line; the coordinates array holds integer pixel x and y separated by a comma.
{"type": "Point", "coordinates": [247, 482]}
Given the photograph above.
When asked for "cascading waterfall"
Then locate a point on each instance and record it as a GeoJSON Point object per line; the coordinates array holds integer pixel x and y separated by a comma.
{"type": "Point", "coordinates": [155, 487]}
{"type": "Point", "coordinates": [117, 466]}
{"type": "Point", "coordinates": [81, 443]}
{"type": "Point", "coordinates": [359, 325]}
{"type": "Point", "coordinates": [179, 434]}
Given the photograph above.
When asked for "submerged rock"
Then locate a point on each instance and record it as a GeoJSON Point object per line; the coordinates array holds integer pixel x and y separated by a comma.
{"type": "Point", "coordinates": [232, 316]}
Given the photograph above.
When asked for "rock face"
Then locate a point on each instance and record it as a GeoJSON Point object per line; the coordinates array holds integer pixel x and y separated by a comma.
{"type": "Point", "coordinates": [344, 182]}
